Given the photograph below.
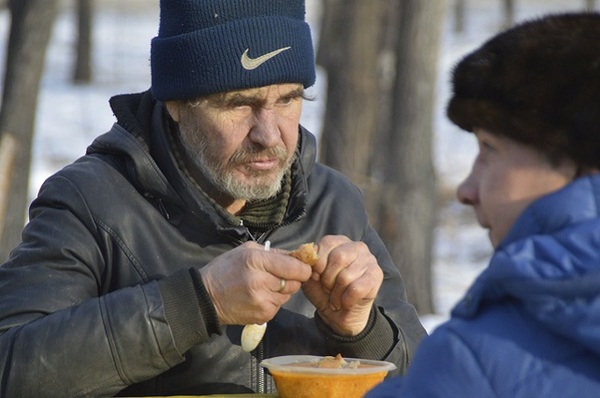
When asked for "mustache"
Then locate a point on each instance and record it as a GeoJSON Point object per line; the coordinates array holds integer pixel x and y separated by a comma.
{"type": "Point", "coordinates": [245, 155]}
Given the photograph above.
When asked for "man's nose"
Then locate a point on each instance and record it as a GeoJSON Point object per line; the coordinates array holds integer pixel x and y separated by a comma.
{"type": "Point", "coordinates": [265, 129]}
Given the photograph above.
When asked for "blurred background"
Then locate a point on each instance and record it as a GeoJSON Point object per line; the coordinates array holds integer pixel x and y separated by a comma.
{"type": "Point", "coordinates": [379, 111]}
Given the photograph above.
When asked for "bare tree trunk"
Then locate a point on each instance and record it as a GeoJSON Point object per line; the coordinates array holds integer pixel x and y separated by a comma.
{"type": "Point", "coordinates": [408, 203]}
{"type": "Point", "coordinates": [459, 16]}
{"type": "Point", "coordinates": [349, 50]}
{"type": "Point", "coordinates": [590, 5]}
{"type": "Point", "coordinates": [509, 12]}
{"type": "Point", "coordinates": [83, 61]}
{"type": "Point", "coordinates": [381, 59]}
{"type": "Point", "coordinates": [31, 28]}
{"type": "Point", "coordinates": [8, 155]}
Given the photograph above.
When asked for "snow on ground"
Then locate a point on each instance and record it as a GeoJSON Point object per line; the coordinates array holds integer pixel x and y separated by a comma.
{"type": "Point", "coordinates": [69, 116]}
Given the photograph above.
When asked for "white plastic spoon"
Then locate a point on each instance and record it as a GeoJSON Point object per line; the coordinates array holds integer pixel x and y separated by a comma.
{"type": "Point", "coordinates": [253, 334]}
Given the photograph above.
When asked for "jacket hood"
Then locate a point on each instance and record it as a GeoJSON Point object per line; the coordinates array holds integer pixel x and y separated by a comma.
{"type": "Point", "coordinates": [129, 139]}
{"type": "Point", "coordinates": [549, 264]}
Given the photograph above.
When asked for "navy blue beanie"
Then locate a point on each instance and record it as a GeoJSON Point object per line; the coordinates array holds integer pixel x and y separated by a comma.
{"type": "Point", "coordinates": [211, 46]}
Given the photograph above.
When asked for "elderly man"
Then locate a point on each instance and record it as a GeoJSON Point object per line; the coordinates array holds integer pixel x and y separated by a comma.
{"type": "Point", "coordinates": [144, 259]}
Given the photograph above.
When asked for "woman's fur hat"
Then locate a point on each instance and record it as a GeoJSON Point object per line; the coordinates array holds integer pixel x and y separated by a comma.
{"type": "Point", "coordinates": [537, 83]}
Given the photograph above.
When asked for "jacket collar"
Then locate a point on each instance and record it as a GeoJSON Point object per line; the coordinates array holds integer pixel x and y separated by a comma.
{"type": "Point", "coordinates": [557, 210]}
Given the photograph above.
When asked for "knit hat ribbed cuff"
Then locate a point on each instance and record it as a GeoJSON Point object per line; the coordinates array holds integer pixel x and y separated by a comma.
{"type": "Point", "coordinates": [208, 60]}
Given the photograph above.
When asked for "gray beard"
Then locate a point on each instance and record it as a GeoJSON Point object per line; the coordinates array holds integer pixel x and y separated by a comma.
{"type": "Point", "coordinates": [223, 180]}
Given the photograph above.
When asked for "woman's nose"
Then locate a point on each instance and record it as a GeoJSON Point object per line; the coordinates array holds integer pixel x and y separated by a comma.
{"type": "Point", "coordinates": [467, 190]}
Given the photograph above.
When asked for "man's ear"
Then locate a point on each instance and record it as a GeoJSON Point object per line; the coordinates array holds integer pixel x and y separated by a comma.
{"type": "Point", "coordinates": [173, 109]}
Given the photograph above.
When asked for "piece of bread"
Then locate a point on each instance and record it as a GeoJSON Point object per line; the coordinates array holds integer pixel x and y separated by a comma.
{"type": "Point", "coordinates": [306, 253]}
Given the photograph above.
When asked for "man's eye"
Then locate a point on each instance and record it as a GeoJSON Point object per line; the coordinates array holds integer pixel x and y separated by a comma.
{"type": "Point", "coordinates": [239, 104]}
{"type": "Point", "coordinates": [288, 100]}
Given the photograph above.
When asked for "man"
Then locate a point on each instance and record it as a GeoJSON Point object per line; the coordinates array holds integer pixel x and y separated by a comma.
{"type": "Point", "coordinates": [529, 325]}
{"type": "Point", "coordinates": [145, 258]}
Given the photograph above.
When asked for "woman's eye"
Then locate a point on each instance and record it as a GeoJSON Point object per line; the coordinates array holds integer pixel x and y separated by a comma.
{"type": "Point", "coordinates": [487, 146]}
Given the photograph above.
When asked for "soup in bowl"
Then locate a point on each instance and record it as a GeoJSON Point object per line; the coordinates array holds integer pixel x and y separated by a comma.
{"type": "Point", "coordinates": [309, 376]}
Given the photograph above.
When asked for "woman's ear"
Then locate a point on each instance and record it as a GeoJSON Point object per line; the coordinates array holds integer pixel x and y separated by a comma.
{"type": "Point", "coordinates": [173, 109]}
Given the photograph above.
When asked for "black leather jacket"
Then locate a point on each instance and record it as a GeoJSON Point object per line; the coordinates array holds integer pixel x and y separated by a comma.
{"type": "Point", "coordinates": [99, 299]}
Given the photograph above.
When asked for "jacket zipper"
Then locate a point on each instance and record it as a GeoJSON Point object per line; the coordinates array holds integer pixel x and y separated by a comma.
{"type": "Point", "coordinates": [259, 239]}
{"type": "Point", "coordinates": [159, 204]}
{"type": "Point", "coordinates": [259, 376]}
{"type": "Point", "coordinates": [261, 372]}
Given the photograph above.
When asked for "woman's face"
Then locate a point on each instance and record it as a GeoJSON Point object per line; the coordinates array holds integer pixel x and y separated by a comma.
{"type": "Point", "coordinates": [505, 178]}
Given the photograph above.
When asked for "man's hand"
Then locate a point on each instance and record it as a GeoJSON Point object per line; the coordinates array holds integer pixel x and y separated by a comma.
{"type": "Point", "coordinates": [244, 283]}
{"type": "Point", "coordinates": [344, 284]}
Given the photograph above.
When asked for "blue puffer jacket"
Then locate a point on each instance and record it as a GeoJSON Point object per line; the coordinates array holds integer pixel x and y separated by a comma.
{"type": "Point", "coordinates": [530, 324]}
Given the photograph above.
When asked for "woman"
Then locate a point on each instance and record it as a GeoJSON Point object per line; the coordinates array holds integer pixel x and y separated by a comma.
{"type": "Point", "coordinates": [530, 323]}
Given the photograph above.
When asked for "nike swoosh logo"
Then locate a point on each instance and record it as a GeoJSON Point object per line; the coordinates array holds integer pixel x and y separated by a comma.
{"type": "Point", "coordinates": [253, 63]}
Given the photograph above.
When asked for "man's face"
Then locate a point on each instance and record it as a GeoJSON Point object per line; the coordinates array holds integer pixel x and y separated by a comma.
{"type": "Point", "coordinates": [505, 178]}
{"type": "Point", "coordinates": [243, 142]}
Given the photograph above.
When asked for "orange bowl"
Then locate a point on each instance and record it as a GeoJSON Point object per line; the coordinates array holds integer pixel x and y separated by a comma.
{"type": "Point", "coordinates": [297, 376]}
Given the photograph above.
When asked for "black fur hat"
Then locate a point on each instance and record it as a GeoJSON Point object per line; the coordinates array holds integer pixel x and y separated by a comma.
{"type": "Point", "coordinates": [537, 83]}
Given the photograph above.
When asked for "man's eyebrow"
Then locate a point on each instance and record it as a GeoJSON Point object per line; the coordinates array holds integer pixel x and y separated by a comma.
{"type": "Point", "coordinates": [222, 100]}
{"type": "Point", "coordinates": [241, 99]}
{"type": "Point", "coordinates": [295, 93]}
